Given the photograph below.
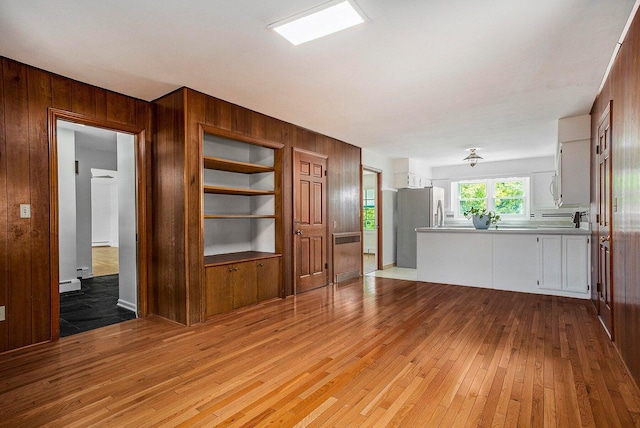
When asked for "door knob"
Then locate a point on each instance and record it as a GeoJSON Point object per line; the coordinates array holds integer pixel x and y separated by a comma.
{"type": "Point", "coordinates": [298, 232]}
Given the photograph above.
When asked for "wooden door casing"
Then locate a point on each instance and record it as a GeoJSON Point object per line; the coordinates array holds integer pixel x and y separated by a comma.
{"type": "Point", "coordinates": [310, 220]}
{"type": "Point", "coordinates": [604, 216]}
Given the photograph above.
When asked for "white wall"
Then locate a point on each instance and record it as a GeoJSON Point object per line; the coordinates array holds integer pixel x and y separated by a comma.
{"type": "Point", "coordinates": [87, 159]}
{"type": "Point", "coordinates": [128, 276]}
{"type": "Point", "coordinates": [67, 210]}
{"type": "Point", "coordinates": [388, 203]}
{"type": "Point", "coordinates": [103, 192]}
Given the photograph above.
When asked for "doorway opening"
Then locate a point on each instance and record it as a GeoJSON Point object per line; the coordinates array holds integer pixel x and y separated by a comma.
{"type": "Point", "coordinates": [371, 220]}
{"type": "Point", "coordinates": [97, 227]}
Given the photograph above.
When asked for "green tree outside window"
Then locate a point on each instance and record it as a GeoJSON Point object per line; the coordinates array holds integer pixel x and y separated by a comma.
{"type": "Point", "coordinates": [369, 209]}
{"type": "Point", "coordinates": [505, 196]}
{"type": "Point", "coordinates": [509, 197]}
{"type": "Point", "coordinates": [472, 195]}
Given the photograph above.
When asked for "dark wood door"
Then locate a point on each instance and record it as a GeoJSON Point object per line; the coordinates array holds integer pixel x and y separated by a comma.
{"type": "Point", "coordinates": [605, 283]}
{"type": "Point", "coordinates": [310, 217]}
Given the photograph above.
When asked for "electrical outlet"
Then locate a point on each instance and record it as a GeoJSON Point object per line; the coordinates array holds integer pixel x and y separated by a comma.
{"type": "Point", "coordinates": [25, 211]}
{"type": "Point", "coordinates": [1, 313]}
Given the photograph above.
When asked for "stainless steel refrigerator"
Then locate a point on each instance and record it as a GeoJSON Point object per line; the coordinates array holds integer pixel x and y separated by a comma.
{"type": "Point", "coordinates": [416, 208]}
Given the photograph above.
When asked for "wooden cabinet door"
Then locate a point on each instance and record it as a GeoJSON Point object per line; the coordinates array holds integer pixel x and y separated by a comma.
{"type": "Point", "coordinates": [268, 278]}
{"type": "Point", "coordinates": [218, 295]}
{"type": "Point", "coordinates": [244, 287]}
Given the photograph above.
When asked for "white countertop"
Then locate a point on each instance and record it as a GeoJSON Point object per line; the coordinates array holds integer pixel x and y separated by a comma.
{"type": "Point", "coordinates": [533, 230]}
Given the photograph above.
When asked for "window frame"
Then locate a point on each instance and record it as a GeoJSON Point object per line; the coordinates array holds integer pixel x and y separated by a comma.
{"type": "Point", "coordinates": [490, 185]}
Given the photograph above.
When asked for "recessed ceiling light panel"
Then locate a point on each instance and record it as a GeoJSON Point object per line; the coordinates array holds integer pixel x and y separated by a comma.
{"type": "Point", "coordinates": [320, 21]}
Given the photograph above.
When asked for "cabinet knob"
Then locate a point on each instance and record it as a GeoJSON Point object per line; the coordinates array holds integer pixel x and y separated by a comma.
{"type": "Point", "coordinates": [605, 238]}
{"type": "Point", "coordinates": [260, 264]}
{"type": "Point", "coordinates": [236, 269]}
{"type": "Point", "coordinates": [230, 269]}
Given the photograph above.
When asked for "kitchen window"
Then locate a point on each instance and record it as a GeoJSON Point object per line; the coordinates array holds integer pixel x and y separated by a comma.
{"type": "Point", "coordinates": [508, 197]}
{"type": "Point", "coordinates": [369, 209]}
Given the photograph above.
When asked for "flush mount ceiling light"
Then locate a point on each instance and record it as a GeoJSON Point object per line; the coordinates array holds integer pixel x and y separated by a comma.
{"type": "Point", "coordinates": [320, 21]}
{"type": "Point", "coordinates": [473, 157]}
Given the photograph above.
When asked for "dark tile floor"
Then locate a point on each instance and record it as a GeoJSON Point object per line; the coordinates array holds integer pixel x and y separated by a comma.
{"type": "Point", "coordinates": [91, 307]}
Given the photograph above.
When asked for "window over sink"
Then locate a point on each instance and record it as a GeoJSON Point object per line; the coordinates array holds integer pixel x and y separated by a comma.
{"type": "Point", "coordinates": [508, 197]}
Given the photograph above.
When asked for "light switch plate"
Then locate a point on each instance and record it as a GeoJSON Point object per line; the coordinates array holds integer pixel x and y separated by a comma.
{"type": "Point", "coordinates": [25, 211]}
{"type": "Point", "coordinates": [1, 313]}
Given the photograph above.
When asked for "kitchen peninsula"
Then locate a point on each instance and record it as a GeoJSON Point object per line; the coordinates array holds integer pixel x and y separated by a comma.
{"type": "Point", "coordinates": [553, 261]}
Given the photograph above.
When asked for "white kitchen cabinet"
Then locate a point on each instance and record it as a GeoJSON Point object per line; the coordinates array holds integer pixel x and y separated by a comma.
{"type": "Point", "coordinates": [563, 263]}
{"type": "Point", "coordinates": [409, 180]}
{"type": "Point", "coordinates": [530, 261]}
{"type": "Point", "coordinates": [571, 186]}
{"type": "Point", "coordinates": [541, 190]}
{"type": "Point", "coordinates": [576, 255]}
{"type": "Point", "coordinates": [550, 262]}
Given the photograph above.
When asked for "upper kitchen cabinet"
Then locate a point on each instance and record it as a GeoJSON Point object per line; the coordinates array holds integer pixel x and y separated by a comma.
{"type": "Point", "coordinates": [571, 184]}
{"type": "Point", "coordinates": [542, 196]}
{"type": "Point", "coordinates": [410, 174]}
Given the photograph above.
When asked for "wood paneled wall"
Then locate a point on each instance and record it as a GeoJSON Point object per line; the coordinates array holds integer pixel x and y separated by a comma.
{"type": "Point", "coordinates": [169, 158]}
{"type": "Point", "coordinates": [623, 88]}
{"type": "Point", "coordinates": [175, 260]}
{"type": "Point", "coordinates": [26, 93]}
{"type": "Point", "coordinates": [168, 259]}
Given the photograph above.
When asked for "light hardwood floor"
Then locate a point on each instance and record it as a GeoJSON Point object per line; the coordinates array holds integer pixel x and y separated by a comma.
{"type": "Point", "coordinates": [371, 352]}
{"type": "Point", "coordinates": [104, 260]}
{"type": "Point", "coordinates": [369, 263]}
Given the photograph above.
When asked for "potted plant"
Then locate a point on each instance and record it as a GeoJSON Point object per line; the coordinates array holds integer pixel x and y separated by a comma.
{"type": "Point", "coordinates": [482, 218]}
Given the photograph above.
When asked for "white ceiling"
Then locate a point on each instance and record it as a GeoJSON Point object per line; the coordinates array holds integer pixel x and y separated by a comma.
{"type": "Point", "coordinates": [422, 78]}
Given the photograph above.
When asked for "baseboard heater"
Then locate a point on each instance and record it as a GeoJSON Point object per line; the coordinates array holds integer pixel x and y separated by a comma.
{"type": "Point", "coordinates": [347, 256]}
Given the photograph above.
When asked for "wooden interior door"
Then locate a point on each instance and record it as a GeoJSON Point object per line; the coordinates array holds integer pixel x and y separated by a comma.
{"type": "Point", "coordinates": [605, 283]}
{"type": "Point", "coordinates": [309, 220]}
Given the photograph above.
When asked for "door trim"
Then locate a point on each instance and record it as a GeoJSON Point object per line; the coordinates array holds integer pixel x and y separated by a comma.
{"type": "Point", "coordinates": [607, 116]}
{"type": "Point", "coordinates": [379, 249]}
{"type": "Point", "coordinates": [142, 211]}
